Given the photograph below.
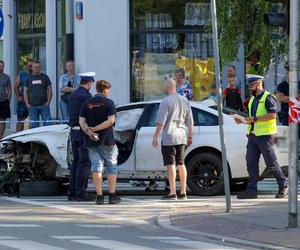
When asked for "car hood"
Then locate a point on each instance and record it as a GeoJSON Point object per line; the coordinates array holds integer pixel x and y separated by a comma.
{"type": "Point", "coordinates": [46, 129]}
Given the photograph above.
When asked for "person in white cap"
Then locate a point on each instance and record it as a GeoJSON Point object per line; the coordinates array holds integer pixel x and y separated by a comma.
{"type": "Point", "coordinates": [261, 130]}
{"type": "Point", "coordinates": [80, 168]}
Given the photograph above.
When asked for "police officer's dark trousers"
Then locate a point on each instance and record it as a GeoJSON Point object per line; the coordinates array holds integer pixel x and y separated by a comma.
{"type": "Point", "coordinates": [262, 145]}
{"type": "Point", "coordinates": [80, 168]}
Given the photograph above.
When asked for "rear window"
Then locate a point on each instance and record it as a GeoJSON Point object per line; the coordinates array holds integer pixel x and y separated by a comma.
{"type": "Point", "coordinates": [203, 118]}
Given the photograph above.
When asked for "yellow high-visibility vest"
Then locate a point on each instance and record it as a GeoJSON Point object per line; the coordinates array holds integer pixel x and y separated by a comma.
{"type": "Point", "coordinates": [262, 127]}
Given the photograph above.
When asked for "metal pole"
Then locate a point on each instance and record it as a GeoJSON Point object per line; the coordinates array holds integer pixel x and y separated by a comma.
{"type": "Point", "coordinates": [293, 127]}
{"type": "Point", "coordinates": [220, 105]}
{"type": "Point", "coordinates": [275, 67]}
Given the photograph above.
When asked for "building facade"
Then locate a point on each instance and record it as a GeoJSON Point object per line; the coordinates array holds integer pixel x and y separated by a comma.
{"type": "Point", "coordinates": [133, 44]}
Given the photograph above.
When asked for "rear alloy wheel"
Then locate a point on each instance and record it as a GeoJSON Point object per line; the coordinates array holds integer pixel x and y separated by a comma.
{"type": "Point", "coordinates": [205, 174]}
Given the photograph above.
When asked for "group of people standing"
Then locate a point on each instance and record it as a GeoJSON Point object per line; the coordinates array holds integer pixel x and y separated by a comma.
{"type": "Point", "coordinates": [91, 119]}
{"type": "Point", "coordinates": [232, 96]}
{"type": "Point", "coordinates": [33, 91]}
{"type": "Point", "coordinates": [262, 109]}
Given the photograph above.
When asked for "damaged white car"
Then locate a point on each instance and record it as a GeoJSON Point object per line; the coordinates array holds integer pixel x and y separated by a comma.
{"type": "Point", "coordinates": [44, 153]}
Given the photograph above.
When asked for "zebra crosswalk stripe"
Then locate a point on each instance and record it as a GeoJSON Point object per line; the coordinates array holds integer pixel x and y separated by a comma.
{"type": "Point", "coordinates": [28, 245]}
{"type": "Point", "coordinates": [112, 244]}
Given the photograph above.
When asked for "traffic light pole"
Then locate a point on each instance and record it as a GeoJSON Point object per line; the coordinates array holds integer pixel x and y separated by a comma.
{"type": "Point", "coordinates": [220, 106]}
{"type": "Point", "coordinates": [293, 127]}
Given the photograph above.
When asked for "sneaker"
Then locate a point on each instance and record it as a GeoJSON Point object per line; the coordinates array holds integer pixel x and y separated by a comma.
{"type": "Point", "coordinates": [100, 200]}
{"type": "Point", "coordinates": [114, 199]}
{"type": "Point", "coordinates": [246, 195]}
{"type": "Point", "coordinates": [182, 197]}
{"type": "Point", "coordinates": [282, 193]}
{"type": "Point", "coordinates": [172, 197]}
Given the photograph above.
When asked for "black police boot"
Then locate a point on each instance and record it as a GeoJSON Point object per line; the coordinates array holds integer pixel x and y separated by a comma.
{"type": "Point", "coordinates": [71, 198]}
{"type": "Point", "coordinates": [246, 195]}
{"type": "Point", "coordinates": [282, 193]}
{"type": "Point", "coordinates": [114, 199]}
{"type": "Point", "coordinates": [100, 200]}
{"type": "Point", "coordinates": [83, 199]}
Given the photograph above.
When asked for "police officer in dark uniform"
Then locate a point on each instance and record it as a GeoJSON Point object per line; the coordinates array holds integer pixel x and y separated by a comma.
{"type": "Point", "coordinates": [81, 165]}
{"type": "Point", "coordinates": [261, 130]}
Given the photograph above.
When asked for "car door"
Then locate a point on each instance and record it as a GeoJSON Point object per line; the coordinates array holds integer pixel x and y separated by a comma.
{"type": "Point", "coordinates": [206, 125]}
{"type": "Point", "coordinates": [147, 157]}
{"type": "Point", "coordinates": [125, 134]}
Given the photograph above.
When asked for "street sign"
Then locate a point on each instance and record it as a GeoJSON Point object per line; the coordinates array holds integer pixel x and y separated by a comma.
{"type": "Point", "coordinates": [1, 22]}
{"type": "Point", "coordinates": [79, 10]}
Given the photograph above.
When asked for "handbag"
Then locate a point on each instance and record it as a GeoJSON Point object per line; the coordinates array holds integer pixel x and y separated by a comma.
{"type": "Point", "coordinates": [65, 97]}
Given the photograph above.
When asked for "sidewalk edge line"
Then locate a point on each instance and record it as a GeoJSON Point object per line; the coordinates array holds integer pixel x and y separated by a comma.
{"type": "Point", "coordinates": [163, 220]}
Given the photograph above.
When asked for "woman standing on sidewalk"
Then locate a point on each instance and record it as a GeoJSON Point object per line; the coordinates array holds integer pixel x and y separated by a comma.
{"type": "Point", "coordinates": [67, 83]}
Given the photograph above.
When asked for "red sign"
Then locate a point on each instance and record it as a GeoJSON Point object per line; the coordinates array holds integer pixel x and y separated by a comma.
{"type": "Point", "coordinates": [294, 114]}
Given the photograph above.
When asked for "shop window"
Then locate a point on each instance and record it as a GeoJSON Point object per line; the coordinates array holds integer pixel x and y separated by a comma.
{"type": "Point", "coordinates": [167, 35]}
{"type": "Point", "coordinates": [31, 28]}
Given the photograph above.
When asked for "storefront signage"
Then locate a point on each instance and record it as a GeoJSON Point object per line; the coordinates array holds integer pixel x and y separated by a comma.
{"type": "Point", "coordinates": [1, 23]}
{"type": "Point", "coordinates": [79, 10]}
{"type": "Point", "coordinates": [31, 21]}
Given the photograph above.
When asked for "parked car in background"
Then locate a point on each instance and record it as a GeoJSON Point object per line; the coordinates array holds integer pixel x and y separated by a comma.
{"type": "Point", "coordinates": [44, 153]}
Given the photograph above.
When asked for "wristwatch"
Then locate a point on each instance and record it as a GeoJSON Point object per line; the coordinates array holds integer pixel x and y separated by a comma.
{"type": "Point", "coordinates": [255, 119]}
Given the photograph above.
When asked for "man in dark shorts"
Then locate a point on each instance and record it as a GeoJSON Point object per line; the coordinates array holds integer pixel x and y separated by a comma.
{"type": "Point", "coordinates": [5, 97]}
{"type": "Point", "coordinates": [97, 117]}
{"type": "Point", "coordinates": [22, 110]}
{"type": "Point", "coordinates": [174, 118]}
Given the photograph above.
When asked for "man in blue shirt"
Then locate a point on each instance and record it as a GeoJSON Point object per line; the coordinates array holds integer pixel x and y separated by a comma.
{"type": "Point", "coordinates": [261, 130]}
{"type": "Point", "coordinates": [80, 167]}
{"type": "Point", "coordinates": [22, 110]}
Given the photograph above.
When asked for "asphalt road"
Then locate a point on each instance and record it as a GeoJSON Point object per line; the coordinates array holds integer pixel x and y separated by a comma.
{"type": "Point", "coordinates": [46, 223]}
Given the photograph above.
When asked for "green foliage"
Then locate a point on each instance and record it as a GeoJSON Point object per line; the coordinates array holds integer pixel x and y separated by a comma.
{"type": "Point", "coordinates": [241, 21]}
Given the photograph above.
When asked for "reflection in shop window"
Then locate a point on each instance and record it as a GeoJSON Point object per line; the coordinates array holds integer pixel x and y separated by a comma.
{"type": "Point", "coordinates": [166, 35]}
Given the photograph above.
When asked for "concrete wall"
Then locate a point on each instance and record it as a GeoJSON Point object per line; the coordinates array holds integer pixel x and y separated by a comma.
{"type": "Point", "coordinates": [102, 44]}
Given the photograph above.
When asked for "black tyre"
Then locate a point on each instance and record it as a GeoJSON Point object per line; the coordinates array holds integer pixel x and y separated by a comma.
{"type": "Point", "coordinates": [205, 174]}
{"type": "Point", "coordinates": [41, 188]}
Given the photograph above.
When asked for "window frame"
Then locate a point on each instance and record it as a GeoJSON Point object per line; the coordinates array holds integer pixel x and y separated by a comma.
{"type": "Point", "coordinates": [197, 122]}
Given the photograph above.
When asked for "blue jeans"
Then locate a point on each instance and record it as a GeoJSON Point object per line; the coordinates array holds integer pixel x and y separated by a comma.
{"type": "Point", "coordinates": [64, 109]}
{"type": "Point", "coordinates": [34, 115]}
{"type": "Point", "coordinates": [104, 157]}
{"type": "Point", "coordinates": [80, 168]}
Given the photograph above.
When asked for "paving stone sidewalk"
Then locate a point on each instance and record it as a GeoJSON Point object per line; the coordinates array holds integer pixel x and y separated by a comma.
{"type": "Point", "coordinates": [263, 220]}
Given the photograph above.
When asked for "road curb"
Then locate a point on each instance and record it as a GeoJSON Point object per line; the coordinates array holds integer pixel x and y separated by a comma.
{"type": "Point", "coordinates": [164, 221]}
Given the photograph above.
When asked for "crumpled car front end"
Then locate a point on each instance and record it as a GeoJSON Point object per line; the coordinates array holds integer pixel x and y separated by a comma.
{"type": "Point", "coordinates": [33, 155]}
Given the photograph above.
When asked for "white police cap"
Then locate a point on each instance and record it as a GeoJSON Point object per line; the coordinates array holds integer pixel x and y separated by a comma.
{"type": "Point", "coordinates": [88, 76]}
{"type": "Point", "coordinates": [253, 78]}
